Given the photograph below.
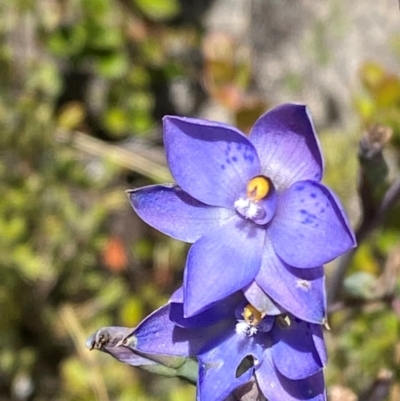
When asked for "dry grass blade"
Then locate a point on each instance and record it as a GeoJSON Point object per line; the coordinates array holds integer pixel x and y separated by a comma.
{"type": "Point", "coordinates": [136, 161]}
{"type": "Point", "coordinates": [75, 331]}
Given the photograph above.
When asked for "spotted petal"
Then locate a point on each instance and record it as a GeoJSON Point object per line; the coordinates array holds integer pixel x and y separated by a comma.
{"type": "Point", "coordinates": [220, 263]}
{"type": "Point", "coordinates": [209, 160]}
{"type": "Point", "coordinates": [309, 228]}
{"type": "Point", "coordinates": [294, 352]}
{"type": "Point", "coordinates": [175, 213]}
{"type": "Point", "coordinates": [277, 387]}
{"type": "Point", "coordinates": [299, 291]}
{"type": "Point", "coordinates": [287, 145]}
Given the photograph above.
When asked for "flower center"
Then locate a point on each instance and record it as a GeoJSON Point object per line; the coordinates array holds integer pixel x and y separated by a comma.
{"type": "Point", "coordinates": [251, 320]}
{"type": "Point", "coordinates": [259, 203]}
{"type": "Point", "coordinates": [251, 315]}
{"type": "Point", "coordinates": [258, 188]}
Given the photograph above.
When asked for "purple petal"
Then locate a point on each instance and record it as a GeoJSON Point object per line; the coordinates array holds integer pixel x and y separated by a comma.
{"type": "Point", "coordinates": [277, 387]}
{"type": "Point", "coordinates": [260, 300]}
{"type": "Point", "coordinates": [218, 367]}
{"type": "Point", "coordinates": [287, 145]}
{"type": "Point", "coordinates": [319, 343]}
{"type": "Point", "coordinates": [209, 160]}
{"type": "Point", "coordinates": [221, 263]}
{"type": "Point", "coordinates": [299, 291]}
{"type": "Point", "coordinates": [112, 341]}
{"type": "Point", "coordinates": [158, 335]}
{"type": "Point", "coordinates": [222, 310]}
{"type": "Point", "coordinates": [108, 339]}
{"type": "Point", "coordinates": [175, 213]}
{"type": "Point", "coordinates": [309, 228]}
{"type": "Point", "coordinates": [293, 351]}
{"type": "Point", "coordinates": [128, 355]}
{"type": "Point", "coordinates": [177, 296]}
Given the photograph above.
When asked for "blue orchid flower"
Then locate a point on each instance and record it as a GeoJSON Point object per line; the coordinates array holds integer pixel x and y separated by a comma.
{"type": "Point", "coordinates": [253, 207]}
{"type": "Point", "coordinates": [234, 344]}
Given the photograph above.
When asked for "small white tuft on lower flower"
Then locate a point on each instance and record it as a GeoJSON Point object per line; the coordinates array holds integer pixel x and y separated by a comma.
{"type": "Point", "coordinates": [245, 329]}
{"type": "Point", "coordinates": [252, 330]}
{"type": "Point", "coordinates": [241, 327]}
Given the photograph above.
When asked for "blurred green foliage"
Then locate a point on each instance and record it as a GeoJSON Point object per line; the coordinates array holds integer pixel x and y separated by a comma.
{"type": "Point", "coordinates": [364, 341]}
{"type": "Point", "coordinates": [73, 257]}
{"type": "Point", "coordinates": [69, 262]}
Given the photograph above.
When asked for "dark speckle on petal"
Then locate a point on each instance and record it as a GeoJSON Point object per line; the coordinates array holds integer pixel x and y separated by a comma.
{"type": "Point", "coordinates": [247, 154]}
{"type": "Point", "coordinates": [313, 195]}
{"type": "Point", "coordinates": [322, 210]}
{"type": "Point", "coordinates": [234, 159]}
{"type": "Point", "coordinates": [228, 161]}
{"type": "Point", "coordinates": [299, 187]}
{"type": "Point", "coordinates": [239, 146]}
{"type": "Point", "coordinates": [309, 217]}
{"type": "Point", "coordinates": [222, 166]}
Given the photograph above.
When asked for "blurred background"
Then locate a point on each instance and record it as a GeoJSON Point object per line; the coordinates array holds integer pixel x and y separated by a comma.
{"type": "Point", "coordinates": [83, 87]}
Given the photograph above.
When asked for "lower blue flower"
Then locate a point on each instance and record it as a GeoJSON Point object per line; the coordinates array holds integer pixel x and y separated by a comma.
{"type": "Point", "coordinates": [234, 343]}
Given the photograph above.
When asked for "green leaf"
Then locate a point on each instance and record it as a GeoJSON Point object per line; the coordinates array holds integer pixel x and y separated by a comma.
{"type": "Point", "coordinates": [68, 41]}
{"type": "Point", "coordinates": [158, 9]}
{"type": "Point", "coordinates": [132, 311]}
{"type": "Point", "coordinates": [113, 66]}
{"type": "Point", "coordinates": [116, 121]}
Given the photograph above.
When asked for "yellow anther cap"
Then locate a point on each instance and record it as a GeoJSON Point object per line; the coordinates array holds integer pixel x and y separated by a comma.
{"type": "Point", "coordinates": [258, 188]}
{"type": "Point", "coordinates": [251, 315]}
